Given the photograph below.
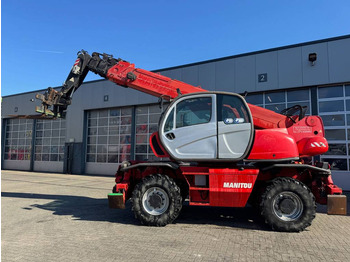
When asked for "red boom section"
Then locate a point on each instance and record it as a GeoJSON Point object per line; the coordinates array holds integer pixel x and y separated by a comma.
{"type": "Point", "coordinates": [125, 74]}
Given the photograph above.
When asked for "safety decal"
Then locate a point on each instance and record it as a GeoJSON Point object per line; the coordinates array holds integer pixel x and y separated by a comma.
{"type": "Point", "coordinates": [76, 68]}
{"type": "Point", "coordinates": [318, 144]}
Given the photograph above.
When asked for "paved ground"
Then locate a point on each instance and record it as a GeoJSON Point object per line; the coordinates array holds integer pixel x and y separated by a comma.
{"type": "Point", "coordinates": [55, 217]}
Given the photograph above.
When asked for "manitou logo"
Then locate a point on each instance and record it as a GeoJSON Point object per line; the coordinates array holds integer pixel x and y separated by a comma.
{"type": "Point", "coordinates": [237, 185]}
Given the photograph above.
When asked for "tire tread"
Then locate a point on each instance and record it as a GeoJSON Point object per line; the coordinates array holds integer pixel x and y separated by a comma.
{"type": "Point", "coordinates": [288, 184]}
{"type": "Point", "coordinates": [175, 200]}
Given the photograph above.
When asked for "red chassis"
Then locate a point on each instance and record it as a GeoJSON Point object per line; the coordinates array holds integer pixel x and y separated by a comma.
{"type": "Point", "coordinates": [226, 187]}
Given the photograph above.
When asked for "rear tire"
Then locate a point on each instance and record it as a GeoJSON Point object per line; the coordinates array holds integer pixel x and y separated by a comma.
{"type": "Point", "coordinates": [156, 200]}
{"type": "Point", "coordinates": [288, 205]}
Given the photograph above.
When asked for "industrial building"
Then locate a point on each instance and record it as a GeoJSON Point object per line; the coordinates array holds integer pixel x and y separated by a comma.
{"type": "Point", "coordinates": [107, 124]}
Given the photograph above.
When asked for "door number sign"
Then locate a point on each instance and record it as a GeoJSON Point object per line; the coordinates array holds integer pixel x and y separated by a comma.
{"type": "Point", "coordinates": [262, 78]}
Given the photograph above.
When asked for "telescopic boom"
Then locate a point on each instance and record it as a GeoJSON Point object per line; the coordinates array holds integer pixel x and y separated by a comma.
{"type": "Point", "coordinates": [125, 74]}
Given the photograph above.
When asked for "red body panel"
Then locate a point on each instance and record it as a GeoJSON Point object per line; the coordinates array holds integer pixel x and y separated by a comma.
{"type": "Point", "coordinates": [312, 146]}
{"type": "Point", "coordinates": [231, 187]}
{"type": "Point", "coordinates": [309, 126]}
{"type": "Point", "coordinates": [226, 187]}
{"type": "Point", "coordinates": [303, 139]}
{"type": "Point", "coordinates": [309, 136]}
{"type": "Point", "coordinates": [273, 144]}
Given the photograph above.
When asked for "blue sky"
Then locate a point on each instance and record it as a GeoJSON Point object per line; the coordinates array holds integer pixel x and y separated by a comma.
{"type": "Point", "coordinates": [40, 39]}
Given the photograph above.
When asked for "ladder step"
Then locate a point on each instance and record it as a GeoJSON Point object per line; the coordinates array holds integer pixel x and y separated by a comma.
{"type": "Point", "coordinates": [195, 173]}
{"type": "Point", "coordinates": [199, 204]}
{"type": "Point", "coordinates": [199, 188]}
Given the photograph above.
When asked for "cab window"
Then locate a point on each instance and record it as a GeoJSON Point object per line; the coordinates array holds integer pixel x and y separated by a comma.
{"type": "Point", "coordinates": [169, 123]}
{"type": "Point", "coordinates": [193, 111]}
{"type": "Point", "coordinates": [232, 110]}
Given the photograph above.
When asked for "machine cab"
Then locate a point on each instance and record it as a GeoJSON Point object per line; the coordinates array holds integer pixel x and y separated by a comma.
{"type": "Point", "coordinates": [207, 127]}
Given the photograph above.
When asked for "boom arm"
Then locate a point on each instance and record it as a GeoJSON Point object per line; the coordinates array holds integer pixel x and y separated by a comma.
{"type": "Point", "coordinates": [125, 74]}
{"type": "Point", "coordinates": [60, 100]}
{"type": "Point", "coordinates": [118, 71]}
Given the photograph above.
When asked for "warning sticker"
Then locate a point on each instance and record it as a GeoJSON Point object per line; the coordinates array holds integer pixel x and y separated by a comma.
{"type": "Point", "coordinates": [302, 129]}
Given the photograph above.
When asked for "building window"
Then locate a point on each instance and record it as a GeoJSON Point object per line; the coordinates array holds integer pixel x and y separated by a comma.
{"type": "Point", "coordinates": [18, 139]}
{"type": "Point", "coordinates": [109, 135]}
{"type": "Point", "coordinates": [147, 118]}
{"type": "Point", "coordinates": [49, 140]}
{"type": "Point", "coordinates": [255, 99]}
{"type": "Point", "coordinates": [275, 97]}
{"type": "Point", "coordinates": [334, 109]}
{"type": "Point", "coordinates": [330, 92]}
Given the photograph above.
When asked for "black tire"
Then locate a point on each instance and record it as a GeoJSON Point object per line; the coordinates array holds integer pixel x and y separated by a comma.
{"type": "Point", "coordinates": [156, 200]}
{"type": "Point", "coordinates": [255, 197]}
{"type": "Point", "coordinates": [288, 205]}
{"type": "Point", "coordinates": [183, 189]}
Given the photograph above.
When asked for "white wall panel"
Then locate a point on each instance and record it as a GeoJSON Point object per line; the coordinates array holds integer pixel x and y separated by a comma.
{"type": "Point", "coordinates": [245, 74]}
{"type": "Point", "coordinates": [206, 76]}
{"type": "Point", "coordinates": [173, 73]}
{"type": "Point", "coordinates": [225, 75]}
{"type": "Point", "coordinates": [317, 74]}
{"type": "Point", "coordinates": [48, 166]}
{"type": "Point", "coordinates": [290, 68]}
{"type": "Point", "coordinates": [17, 164]}
{"type": "Point", "coordinates": [101, 168]}
{"type": "Point", "coordinates": [266, 63]}
{"type": "Point", "coordinates": [190, 75]}
{"type": "Point", "coordinates": [339, 60]}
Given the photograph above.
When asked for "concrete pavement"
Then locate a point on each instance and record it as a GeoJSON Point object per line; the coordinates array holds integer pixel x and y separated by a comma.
{"type": "Point", "coordinates": [58, 217]}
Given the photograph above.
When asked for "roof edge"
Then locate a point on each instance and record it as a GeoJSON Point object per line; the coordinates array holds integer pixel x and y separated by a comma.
{"type": "Point", "coordinates": [257, 52]}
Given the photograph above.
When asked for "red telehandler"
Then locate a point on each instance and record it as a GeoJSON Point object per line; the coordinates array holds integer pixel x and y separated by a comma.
{"type": "Point", "coordinates": [214, 148]}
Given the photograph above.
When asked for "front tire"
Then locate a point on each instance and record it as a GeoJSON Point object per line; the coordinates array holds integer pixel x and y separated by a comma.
{"type": "Point", "coordinates": [288, 205]}
{"type": "Point", "coordinates": [156, 200]}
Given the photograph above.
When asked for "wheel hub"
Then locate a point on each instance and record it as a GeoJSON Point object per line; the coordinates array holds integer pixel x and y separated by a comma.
{"type": "Point", "coordinates": [287, 206]}
{"type": "Point", "coordinates": [155, 200]}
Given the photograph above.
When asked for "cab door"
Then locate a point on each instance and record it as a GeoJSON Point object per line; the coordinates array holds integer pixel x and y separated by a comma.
{"type": "Point", "coordinates": [235, 127]}
{"type": "Point", "coordinates": [188, 130]}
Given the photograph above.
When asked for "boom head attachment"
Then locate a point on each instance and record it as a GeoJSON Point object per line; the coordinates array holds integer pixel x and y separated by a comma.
{"type": "Point", "coordinates": [52, 98]}
{"type": "Point", "coordinates": [60, 100]}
